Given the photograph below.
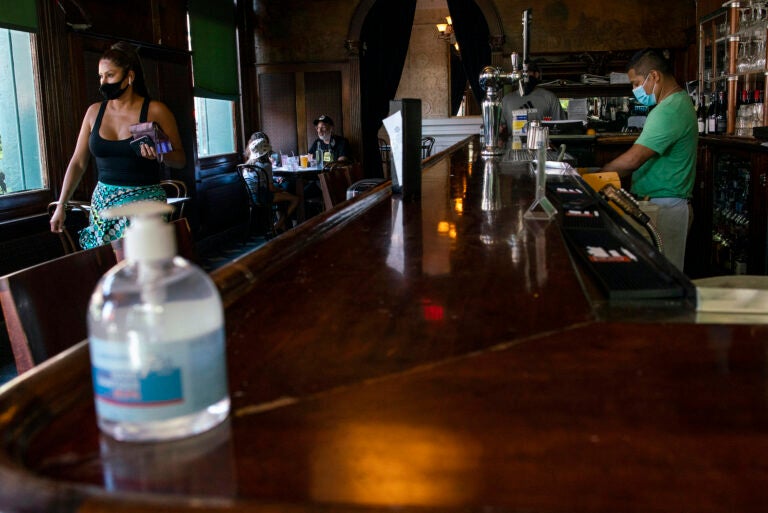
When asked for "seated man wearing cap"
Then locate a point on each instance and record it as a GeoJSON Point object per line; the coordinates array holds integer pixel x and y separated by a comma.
{"type": "Point", "coordinates": [333, 147]}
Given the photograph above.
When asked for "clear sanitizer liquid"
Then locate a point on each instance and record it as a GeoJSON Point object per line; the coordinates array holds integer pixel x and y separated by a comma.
{"type": "Point", "coordinates": [157, 342]}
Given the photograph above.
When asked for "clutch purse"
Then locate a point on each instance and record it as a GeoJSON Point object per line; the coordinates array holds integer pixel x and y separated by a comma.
{"type": "Point", "coordinates": [154, 132]}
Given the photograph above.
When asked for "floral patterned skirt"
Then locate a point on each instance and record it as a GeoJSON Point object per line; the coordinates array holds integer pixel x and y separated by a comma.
{"type": "Point", "coordinates": [102, 231]}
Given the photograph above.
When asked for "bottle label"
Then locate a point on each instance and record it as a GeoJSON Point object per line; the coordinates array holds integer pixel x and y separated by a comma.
{"type": "Point", "coordinates": [722, 126]}
{"type": "Point", "coordinates": [158, 381]}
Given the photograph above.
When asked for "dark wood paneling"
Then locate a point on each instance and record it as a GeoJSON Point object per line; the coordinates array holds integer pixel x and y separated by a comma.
{"type": "Point", "coordinates": [315, 87]}
{"type": "Point", "coordinates": [277, 97]}
{"type": "Point", "coordinates": [249, 100]}
{"type": "Point", "coordinates": [161, 22]}
{"type": "Point", "coordinates": [28, 242]}
{"type": "Point", "coordinates": [705, 7]}
{"type": "Point", "coordinates": [323, 96]}
{"type": "Point", "coordinates": [221, 198]}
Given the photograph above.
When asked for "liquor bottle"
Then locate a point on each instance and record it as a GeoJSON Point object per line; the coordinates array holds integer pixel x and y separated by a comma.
{"type": "Point", "coordinates": [744, 99]}
{"type": "Point", "coordinates": [757, 108]}
{"type": "Point", "coordinates": [156, 333]}
{"type": "Point", "coordinates": [701, 116]}
{"type": "Point", "coordinates": [712, 115]}
{"type": "Point", "coordinates": [721, 120]}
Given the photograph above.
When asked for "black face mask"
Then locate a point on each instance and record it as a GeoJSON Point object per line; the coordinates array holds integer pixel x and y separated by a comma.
{"type": "Point", "coordinates": [531, 85]}
{"type": "Point", "coordinates": [112, 91]}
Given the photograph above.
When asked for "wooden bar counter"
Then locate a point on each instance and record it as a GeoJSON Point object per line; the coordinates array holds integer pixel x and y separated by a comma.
{"type": "Point", "coordinates": [432, 356]}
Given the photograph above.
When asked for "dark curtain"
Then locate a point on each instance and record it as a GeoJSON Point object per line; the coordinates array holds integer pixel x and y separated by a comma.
{"type": "Point", "coordinates": [386, 34]}
{"type": "Point", "coordinates": [458, 82]}
{"type": "Point", "coordinates": [214, 49]}
{"type": "Point", "coordinates": [19, 15]}
{"type": "Point", "coordinates": [473, 36]}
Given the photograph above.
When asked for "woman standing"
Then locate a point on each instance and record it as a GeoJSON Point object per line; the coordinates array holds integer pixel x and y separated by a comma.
{"type": "Point", "coordinates": [123, 175]}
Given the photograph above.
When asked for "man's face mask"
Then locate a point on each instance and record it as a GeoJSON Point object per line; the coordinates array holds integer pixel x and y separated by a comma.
{"type": "Point", "coordinates": [649, 100]}
{"type": "Point", "coordinates": [530, 85]}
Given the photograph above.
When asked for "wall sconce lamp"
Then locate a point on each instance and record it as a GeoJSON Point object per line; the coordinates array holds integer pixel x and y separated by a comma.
{"type": "Point", "coordinates": [445, 30]}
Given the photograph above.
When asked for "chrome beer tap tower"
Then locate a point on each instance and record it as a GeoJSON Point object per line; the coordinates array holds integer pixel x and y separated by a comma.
{"type": "Point", "coordinates": [493, 79]}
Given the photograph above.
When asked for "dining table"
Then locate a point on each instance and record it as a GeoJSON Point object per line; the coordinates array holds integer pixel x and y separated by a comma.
{"type": "Point", "coordinates": [301, 177]}
{"type": "Point", "coordinates": [437, 354]}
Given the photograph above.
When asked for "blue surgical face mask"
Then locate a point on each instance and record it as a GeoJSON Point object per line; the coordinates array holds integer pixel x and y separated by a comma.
{"type": "Point", "coordinates": [649, 100]}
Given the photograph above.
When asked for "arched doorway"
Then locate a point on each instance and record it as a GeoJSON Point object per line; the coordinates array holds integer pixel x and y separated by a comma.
{"type": "Point", "coordinates": [370, 118]}
{"type": "Point", "coordinates": [487, 7]}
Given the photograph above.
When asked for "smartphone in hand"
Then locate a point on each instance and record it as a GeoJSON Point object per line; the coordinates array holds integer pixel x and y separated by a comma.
{"type": "Point", "coordinates": [136, 143]}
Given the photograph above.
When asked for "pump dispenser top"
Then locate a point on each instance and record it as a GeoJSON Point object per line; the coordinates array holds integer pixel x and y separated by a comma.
{"type": "Point", "coordinates": [148, 237]}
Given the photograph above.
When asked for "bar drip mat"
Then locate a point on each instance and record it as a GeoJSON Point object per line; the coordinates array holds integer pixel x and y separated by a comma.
{"type": "Point", "coordinates": [568, 194]}
{"type": "Point", "coordinates": [620, 272]}
{"type": "Point", "coordinates": [581, 216]}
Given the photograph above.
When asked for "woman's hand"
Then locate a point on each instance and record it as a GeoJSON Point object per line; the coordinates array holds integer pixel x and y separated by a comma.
{"type": "Point", "coordinates": [58, 218]}
{"type": "Point", "coordinates": [148, 152]}
{"type": "Point", "coordinates": [159, 113]}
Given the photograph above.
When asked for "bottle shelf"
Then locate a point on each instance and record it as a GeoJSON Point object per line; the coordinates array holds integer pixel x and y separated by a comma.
{"type": "Point", "coordinates": [731, 216]}
{"type": "Point", "coordinates": [732, 47]}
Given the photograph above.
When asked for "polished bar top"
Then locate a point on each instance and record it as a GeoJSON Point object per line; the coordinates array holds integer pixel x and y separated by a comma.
{"type": "Point", "coordinates": [422, 356]}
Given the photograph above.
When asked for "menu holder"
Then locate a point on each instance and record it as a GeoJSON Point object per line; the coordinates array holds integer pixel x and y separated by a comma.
{"type": "Point", "coordinates": [542, 208]}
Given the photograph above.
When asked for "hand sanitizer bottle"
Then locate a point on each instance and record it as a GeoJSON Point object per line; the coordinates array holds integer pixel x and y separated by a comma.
{"type": "Point", "coordinates": [156, 332]}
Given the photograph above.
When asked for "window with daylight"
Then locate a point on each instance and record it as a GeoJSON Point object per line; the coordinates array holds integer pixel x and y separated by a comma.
{"type": "Point", "coordinates": [212, 41]}
{"type": "Point", "coordinates": [215, 124]}
{"type": "Point", "coordinates": [20, 168]}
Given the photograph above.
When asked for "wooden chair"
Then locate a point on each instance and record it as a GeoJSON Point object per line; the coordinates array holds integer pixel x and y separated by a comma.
{"type": "Point", "coordinates": [45, 305]}
{"type": "Point", "coordinates": [260, 206]}
{"type": "Point", "coordinates": [427, 143]}
{"type": "Point", "coordinates": [358, 184]}
{"type": "Point", "coordinates": [175, 190]}
{"type": "Point", "coordinates": [334, 183]}
{"type": "Point", "coordinates": [363, 186]}
{"type": "Point", "coordinates": [355, 172]}
{"type": "Point", "coordinates": [386, 157]}
{"type": "Point", "coordinates": [77, 219]}
{"type": "Point", "coordinates": [185, 244]}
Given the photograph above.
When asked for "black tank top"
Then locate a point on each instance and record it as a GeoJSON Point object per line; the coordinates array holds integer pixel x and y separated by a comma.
{"type": "Point", "coordinates": [116, 162]}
